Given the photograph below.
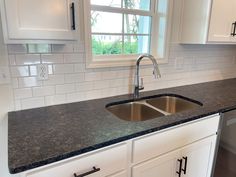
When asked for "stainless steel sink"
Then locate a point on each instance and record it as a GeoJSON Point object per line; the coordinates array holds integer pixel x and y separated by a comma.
{"type": "Point", "coordinates": [152, 107]}
{"type": "Point", "coordinates": [172, 104]}
{"type": "Point", "coordinates": [134, 111]}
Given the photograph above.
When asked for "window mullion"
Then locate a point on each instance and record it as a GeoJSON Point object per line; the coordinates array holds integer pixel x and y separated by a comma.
{"type": "Point", "coordinates": [121, 10]}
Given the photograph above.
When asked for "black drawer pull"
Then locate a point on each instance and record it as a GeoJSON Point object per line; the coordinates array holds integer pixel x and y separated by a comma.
{"type": "Point", "coordinates": [185, 165]}
{"type": "Point", "coordinates": [94, 170]}
{"type": "Point", "coordinates": [180, 167]}
{"type": "Point", "coordinates": [233, 30]}
{"type": "Point", "coordinates": [73, 16]}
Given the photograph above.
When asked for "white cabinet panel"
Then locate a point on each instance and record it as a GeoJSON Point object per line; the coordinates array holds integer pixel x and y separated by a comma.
{"type": "Point", "coordinates": [122, 174]}
{"type": "Point", "coordinates": [199, 158]}
{"type": "Point", "coordinates": [38, 20]}
{"type": "Point", "coordinates": [164, 166]}
{"type": "Point", "coordinates": [109, 161]}
{"type": "Point", "coordinates": [221, 21]}
{"type": "Point", "coordinates": [194, 160]}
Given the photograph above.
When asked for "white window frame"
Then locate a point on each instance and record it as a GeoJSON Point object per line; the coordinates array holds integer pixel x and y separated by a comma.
{"type": "Point", "coordinates": [122, 59]}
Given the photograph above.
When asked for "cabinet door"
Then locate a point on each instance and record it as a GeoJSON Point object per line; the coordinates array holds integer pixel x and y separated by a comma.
{"type": "Point", "coordinates": [199, 158]}
{"type": "Point", "coordinates": [122, 174]}
{"type": "Point", "coordinates": [39, 19]}
{"type": "Point", "coordinates": [163, 166]}
{"type": "Point", "coordinates": [221, 21]}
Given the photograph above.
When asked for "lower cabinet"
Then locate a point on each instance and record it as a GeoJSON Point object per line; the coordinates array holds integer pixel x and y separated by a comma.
{"type": "Point", "coordinates": [109, 162]}
{"type": "Point", "coordinates": [194, 160]}
{"type": "Point", "coordinates": [186, 150]}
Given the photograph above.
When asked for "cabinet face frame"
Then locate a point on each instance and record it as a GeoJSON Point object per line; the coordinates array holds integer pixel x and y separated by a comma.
{"type": "Point", "coordinates": [43, 36]}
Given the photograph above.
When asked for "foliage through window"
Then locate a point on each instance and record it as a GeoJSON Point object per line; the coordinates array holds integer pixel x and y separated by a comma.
{"type": "Point", "coordinates": [128, 27]}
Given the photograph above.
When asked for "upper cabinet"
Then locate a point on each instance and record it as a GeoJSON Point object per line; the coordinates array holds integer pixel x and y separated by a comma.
{"type": "Point", "coordinates": [208, 21]}
{"type": "Point", "coordinates": [32, 21]}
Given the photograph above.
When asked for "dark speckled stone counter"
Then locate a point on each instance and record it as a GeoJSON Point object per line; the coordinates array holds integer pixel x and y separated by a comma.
{"type": "Point", "coordinates": [42, 136]}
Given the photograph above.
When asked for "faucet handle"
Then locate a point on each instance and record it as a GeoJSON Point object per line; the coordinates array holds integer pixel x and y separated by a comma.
{"type": "Point", "coordinates": [141, 87]}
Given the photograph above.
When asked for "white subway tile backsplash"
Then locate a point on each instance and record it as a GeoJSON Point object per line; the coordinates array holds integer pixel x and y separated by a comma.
{"type": "Point", "coordinates": [74, 58]}
{"type": "Point", "coordinates": [101, 84]}
{"type": "Point", "coordinates": [33, 70]}
{"type": "Point", "coordinates": [32, 103]}
{"type": "Point", "coordinates": [28, 59]}
{"type": "Point", "coordinates": [19, 71]}
{"type": "Point", "coordinates": [59, 48]}
{"type": "Point", "coordinates": [29, 82]}
{"type": "Point", "coordinates": [52, 58]}
{"type": "Point", "coordinates": [70, 81]}
{"type": "Point", "coordinates": [17, 48]}
{"type": "Point", "coordinates": [12, 60]}
{"type": "Point", "coordinates": [94, 94]}
{"type": "Point", "coordinates": [23, 93]}
{"type": "Point", "coordinates": [94, 76]}
{"type": "Point", "coordinates": [76, 97]}
{"type": "Point", "coordinates": [55, 80]}
{"type": "Point", "coordinates": [66, 88]}
{"type": "Point", "coordinates": [15, 83]}
{"type": "Point", "coordinates": [55, 99]}
{"type": "Point", "coordinates": [84, 86]}
{"type": "Point", "coordinates": [43, 91]}
{"type": "Point", "coordinates": [79, 67]}
{"type": "Point", "coordinates": [74, 78]}
{"type": "Point", "coordinates": [63, 68]}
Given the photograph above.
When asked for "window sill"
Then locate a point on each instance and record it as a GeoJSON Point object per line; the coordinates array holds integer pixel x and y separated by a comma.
{"type": "Point", "coordinates": [119, 62]}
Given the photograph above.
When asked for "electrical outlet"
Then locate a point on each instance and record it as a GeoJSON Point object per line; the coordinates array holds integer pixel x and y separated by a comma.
{"type": "Point", "coordinates": [42, 72]}
{"type": "Point", "coordinates": [4, 75]}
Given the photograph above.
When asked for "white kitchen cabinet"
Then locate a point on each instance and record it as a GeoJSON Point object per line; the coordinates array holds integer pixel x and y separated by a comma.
{"type": "Point", "coordinates": [154, 155]}
{"type": "Point", "coordinates": [222, 18]}
{"type": "Point", "coordinates": [208, 21]}
{"type": "Point", "coordinates": [34, 21]}
{"type": "Point", "coordinates": [200, 157]}
{"type": "Point", "coordinates": [194, 160]}
{"type": "Point", "coordinates": [109, 162]}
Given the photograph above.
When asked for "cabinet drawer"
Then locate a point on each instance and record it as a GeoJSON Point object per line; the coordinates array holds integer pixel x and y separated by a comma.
{"type": "Point", "coordinates": [170, 139]}
{"type": "Point", "coordinates": [109, 162]}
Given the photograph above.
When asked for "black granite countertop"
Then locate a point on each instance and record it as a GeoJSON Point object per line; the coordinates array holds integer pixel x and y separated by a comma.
{"type": "Point", "coordinates": [42, 136]}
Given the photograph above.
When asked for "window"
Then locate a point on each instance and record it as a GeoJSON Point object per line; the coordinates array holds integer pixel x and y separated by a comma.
{"type": "Point", "coordinates": [117, 31]}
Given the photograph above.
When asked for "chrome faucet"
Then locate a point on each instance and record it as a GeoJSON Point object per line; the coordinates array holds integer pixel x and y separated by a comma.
{"type": "Point", "coordinates": [156, 73]}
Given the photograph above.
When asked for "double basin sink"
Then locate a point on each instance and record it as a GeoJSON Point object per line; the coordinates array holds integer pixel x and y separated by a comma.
{"type": "Point", "coordinates": [152, 107]}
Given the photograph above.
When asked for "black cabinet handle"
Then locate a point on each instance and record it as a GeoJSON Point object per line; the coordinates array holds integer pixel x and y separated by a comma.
{"type": "Point", "coordinates": [73, 16]}
{"type": "Point", "coordinates": [185, 165]}
{"type": "Point", "coordinates": [94, 170]}
{"type": "Point", "coordinates": [180, 167]}
{"type": "Point", "coordinates": [233, 30]}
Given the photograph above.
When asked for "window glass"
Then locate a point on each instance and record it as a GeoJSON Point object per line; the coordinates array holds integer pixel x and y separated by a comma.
{"type": "Point", "coordinates": [136, 44]}
{"type": "Point", "coordinates": [105, 22]}
{"type": "Point", "coordinates": [137, 4]}
{"type": "Point", "coordinates": [106, 45]}
{"type": "Point", "coordinates": [135, 24]}
{"type": "Point", "coordinates": [111, 3]}
{"type": "Point", "coordinates": [162, 6]}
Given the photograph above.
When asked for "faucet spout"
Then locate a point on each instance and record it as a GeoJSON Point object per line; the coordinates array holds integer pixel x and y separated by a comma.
{"type": "Point", "coordinates": [156, 73]}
